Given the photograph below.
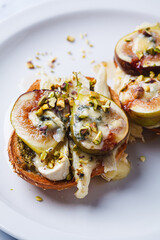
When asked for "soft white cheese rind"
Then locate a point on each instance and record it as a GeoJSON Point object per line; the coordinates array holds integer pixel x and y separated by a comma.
{"type": "Point", "coordinates": [60, 169]}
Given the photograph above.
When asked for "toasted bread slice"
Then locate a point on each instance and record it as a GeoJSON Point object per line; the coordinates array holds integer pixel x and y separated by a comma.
{"type": "Point", "coordinates": [17, 160]}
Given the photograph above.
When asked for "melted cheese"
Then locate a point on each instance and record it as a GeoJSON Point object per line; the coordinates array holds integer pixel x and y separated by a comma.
{"type": "Point", "coordinates": [121, 170]}
{"type": "Point", "coordinates": [135, 131]}
{"type": "Point", "coordinates": [142, 43]}
{"type": "Point", "coordinates": [101, 80]}
{"type": "Point", "coordinates": [86, 163]}
{"type": "Point", "coordinates": [57, 124]}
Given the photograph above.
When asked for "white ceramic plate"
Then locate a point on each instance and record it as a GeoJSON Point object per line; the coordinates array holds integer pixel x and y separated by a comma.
{"type": "Point", "coordinates": [126, 209]}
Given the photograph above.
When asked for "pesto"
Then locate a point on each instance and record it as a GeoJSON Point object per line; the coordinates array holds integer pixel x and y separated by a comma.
{"type": "Point", "coordinates": [28, 154]}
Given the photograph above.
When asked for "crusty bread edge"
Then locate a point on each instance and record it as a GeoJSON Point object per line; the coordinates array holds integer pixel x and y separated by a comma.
{"type": "Point", "coordinates": [38, 180]}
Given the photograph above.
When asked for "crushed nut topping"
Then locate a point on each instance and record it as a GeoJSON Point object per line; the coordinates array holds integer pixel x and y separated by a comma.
{"type": "Point", "coordinates": [70, 39]}
{"type": "Point", "coordinates": [30, 65]}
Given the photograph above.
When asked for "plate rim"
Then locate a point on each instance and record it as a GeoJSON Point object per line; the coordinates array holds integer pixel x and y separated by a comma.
{"type": "Point", "coordinates": [39, 16]}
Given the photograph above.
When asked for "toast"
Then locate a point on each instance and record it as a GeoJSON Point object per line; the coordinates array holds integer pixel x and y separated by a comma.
{"type": "Point", "coordinates": [18, 160]}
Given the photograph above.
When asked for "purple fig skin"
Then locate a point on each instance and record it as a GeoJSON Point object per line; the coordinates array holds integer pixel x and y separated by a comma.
{"type": "Point", "coordinates": [135, 68]}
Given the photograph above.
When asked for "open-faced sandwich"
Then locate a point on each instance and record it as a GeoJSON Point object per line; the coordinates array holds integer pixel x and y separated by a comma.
{"type": "Point", "coordinates": [137, 80]}
{"type": "Point", "coordinates": [67, 131]}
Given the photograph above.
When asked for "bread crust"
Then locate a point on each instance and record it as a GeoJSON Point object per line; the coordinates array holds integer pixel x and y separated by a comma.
{"type": "Point", "coordinates": [17, 160]}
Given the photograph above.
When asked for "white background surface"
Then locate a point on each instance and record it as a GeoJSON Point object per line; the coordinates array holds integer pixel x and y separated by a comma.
{"type": "Point", "coordinates": [7, 8]}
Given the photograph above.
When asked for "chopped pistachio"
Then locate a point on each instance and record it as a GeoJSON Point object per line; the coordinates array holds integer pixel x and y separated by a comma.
{"type": "Point", "coordinates": [42, 100]}
{"type": "Point", "coordinates": [60, 103]}
{"type": "Point", "coordinates": [94, 103]}
{"type": "Point", "coordinates": [39, 199]}
{"type": "Point", "coordinates": [158, 77]}
{"type": "Point", "coordinates": [150, 51]}
{"type": "Point", "coordinates": [128, 40]}
{"type": "Point", "coordinates": [75, 148]}
{"type": "Point", "coordinates": [147, 88]}
{"type": "Point", "coordinates": [69, 52]}
{"type": "Point", "coordinates": [138, 92]}
{"type": "Point", "coordinates": [83, 56]}
{"type": "Point", "coordinates": [91, 45]}
{"type": "Point", "coordinates": [43, 156]}
{"type": "Point", "coordinates": [106, 106]}
{"type": "Point", "coordinates": [39, 112]}
{"type": "Point", "coordinates": [50, 165]}
{"type": "Point", "coordinates": [77, 180]}
{"type": "Point", "coordinates": [152, 74]}
{"type": "Point", "coordinates": [94, 95]}
{"type": "Point", "coordinates": [54, 86]}
{"type": "Point", "coordinates": [157, 49]}
{"type": "Point", "coordinates": [93, 127]}
{"type": "Point", "coordinates": [67, 115]}
{"type": "Point", "coordinates": [70, 38]}
{"type": "Point", "coordinates": [140, 78]}
{"type": "Point", "coordinates": [92, 82]}
{"type": "Point", "coordinates": [139, 54]}
{"type": "Point", "coordinates": [51, 95]}
{"type": "Point", "coordinates": [71, 102]}
{"type": "Point", "coordinates": [102, 102]}
{"type": "Point", "coordinates": [56, 154]}
{"type": "Point", "coordinates": [53, 59]}
{"type": "Point", "coordinates": [92, 61]}
{"type": "Point", "coordinates": [84, 131]}
{"type": "Point", "coordinates": [30, 65]}
{"type": "Point", "coordinates": [69, 177]}
{"type": "Point", "coordinates": [82, 116]}
{"type": "Point", "coordinates": [61, 155]}
{"type": "Point", "coordinates": [50, 124]}
{"type": "Point", "coordinates": [142, 158]}
{"type": "Point", "coordinates": [98, 139]}
{"type": "Point", "coordinates": [65, 86]}
{"type": "Point", "coordinates": [83, 161]}
{"type": "Point", "coordinates": [45, 107]}
{"type": "Point", "coordinates": [52, 102]}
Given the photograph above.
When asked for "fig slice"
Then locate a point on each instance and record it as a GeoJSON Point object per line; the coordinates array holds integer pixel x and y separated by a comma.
{"type": "Point", "coordinates": [98, 125]}
{"type": "Point", "coordinates": [36, 122]}
{"type": "Point", "coordinates": [140, 98]}
{"type": "Point", "coordinates": [139, 52]}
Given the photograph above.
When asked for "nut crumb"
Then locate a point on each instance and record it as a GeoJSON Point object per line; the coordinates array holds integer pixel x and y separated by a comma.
{"type": "Point", "coordinates": [142, 158]}
{"type": "Point", "coordinates": [39, 199]}
{"type": "Point", "coordinates": [70, 39]}
{"type": "Point", "coordinates": [92, 61]}
{"type": "Point", "coordinates": [30, 65]}
{"type": "Point", "coordinates": [69, 52]}
{"type": "Point", "coordinates": [53, 59]}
